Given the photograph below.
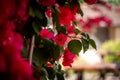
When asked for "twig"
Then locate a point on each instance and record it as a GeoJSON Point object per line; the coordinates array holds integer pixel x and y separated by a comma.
{"type": "Point", "coordinates": [31, 49]}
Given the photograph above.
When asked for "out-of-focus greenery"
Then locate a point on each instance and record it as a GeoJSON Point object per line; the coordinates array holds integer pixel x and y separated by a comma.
{"type": "Point", "coordinates": [112, 47]}
{"type": "Point", "coordinates": [116, 2]}
{"type": "Point", "coordinates": [112, 58]}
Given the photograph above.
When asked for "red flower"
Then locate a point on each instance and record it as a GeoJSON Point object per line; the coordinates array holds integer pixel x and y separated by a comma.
{"type": "Point", "coordinates": [20, 70]}
{"type": "Point", "coordinates": [3, 64]}
{"type": "Point", "coordinates": [13, 10]}
{"type": "Point", "coordinates": [10, 52]}
{"type": "Point", "coordinates": [21, 13]}
{"type": "Point", "coordinates": [91, 1]}
{"type": "Point", "coordinates": [106, 20]}
{"type": "Point", "coordinates": [60, 39]}
{"type": "Point", "coordinates": [68, 57]}
{"type": "Point", "coordinates": [49, 12]}
{"type": "Point", "coordinates": [7, 36]}
{"type": "Point", "coordinates": [49, 64]}
{"type": "Point", "coordinates": [74, 9]}
{"type": "Point", "coordinates": [65, 16]}
{"type": "Point", "coordinates": [47, 2]}
{"type": "Point", "coordinates": [18, 41]}
{"type": "Point", "coordinates": [22, 9]}
{"type": "Point", "coordinates": [7, 7]}
{"type": "Point", "coordinates": [46, 34]}
{"type": "Point", "coordinates": [87, 27]}
{"type": "Point", "coordinates": [70, 29]}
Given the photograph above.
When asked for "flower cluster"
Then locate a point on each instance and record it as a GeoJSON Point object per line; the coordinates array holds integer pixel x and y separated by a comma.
{"type": "Point", "coordinates": [13, 16]}
{"type": "Point", "coordinates": [29, 47]}
{"type": "Point", "coordinates": [102, 21]}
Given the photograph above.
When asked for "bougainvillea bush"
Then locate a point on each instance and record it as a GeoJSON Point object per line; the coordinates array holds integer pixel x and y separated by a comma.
{"type": "Point", "coordinates": [35, 34]}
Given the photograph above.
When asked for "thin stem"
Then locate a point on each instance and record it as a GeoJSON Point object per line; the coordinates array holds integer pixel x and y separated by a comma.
{"type": "Point", "coordinates": [31, 49]}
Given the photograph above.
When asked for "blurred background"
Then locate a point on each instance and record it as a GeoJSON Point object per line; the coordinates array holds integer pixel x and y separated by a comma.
{"type": "Point", "coordinates": [102, 22]}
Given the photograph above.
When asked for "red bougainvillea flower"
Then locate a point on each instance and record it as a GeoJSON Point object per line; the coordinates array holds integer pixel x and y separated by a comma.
{"type": "Point", "coordinates": [11, 53]}
{"type": "Point", "coordinates": [87, 27]}
{"type": "Point", "coordinates": [68, 57]}
{"type": "Point", "coordinates": [3, 64]}
{"type": "Point", "coordinates": [82, 22]}
{"type": "Point", "coordinates": [49, 64]}
{"type": "Point", "coordinates": [20, 70]}
{"type": "Point", "coordinates": [21, 13]}
{"type": "Point", "coordinates": [106, 20]}
{"type": "Point", "coordinates": [70, 29]}
{"type": "Point", "coordinates": [18, 41]}
{"type": "Point", "coordinates": [65, 15]}
{"type": "Point", "coordinates": [13, 10]}
{"type": "Point", "coordinates": [7, 7]}
{"type": "Point", "coordinates": [60, 39]}
{"type": "Point", "coordinates": [47, 2]}
{"type": "Point", "coordinates": [91, 1]}
{"type": "Point", "coordinates": [9, 37]}
{"type": "Point", "coordinates": [118, 9]}
{"type": "Point", "coordinates": [22, 9]}
{"type": "Point", "coordinates": [46, 34]}
{"type": "Point", "coordinates": [74, 9]}
{"type": "Point", "coordinates": [7, 33]}
{"type": "Point", "coordinates": [49, 12]}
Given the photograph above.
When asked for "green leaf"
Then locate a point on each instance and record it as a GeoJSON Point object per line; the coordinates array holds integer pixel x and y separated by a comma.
{"type": "Point", "coordinates": [38, 14]}
{"type": "Point", "coordinates": [80, 11]}
{"type": "Point", "coordinates": [43, 78]}
{"type": "Point", "coordinates": [88, 37]}
{"type": "Point", "coordinates": [76, 31]}
{"type": "Point", "coordinates": [36, 27]}
{"type": "Point", "coordinates": [59, 67]}
{"type": "Point", "coordinates": [80, 1]}
{"type": "Point", "coordinates": [83, 35]}
{"type": "Point", "coordinates": [85, 44]}
{"type": "Point", "coordinates": [56, 52]}
{"type": "Point", "coordinates": [44, 71]}
{"type": "Point", "coordinates": [42, 51]}
{"type": "Point", "coordinates": [61, 29]}
{"type": "Point", "coordinates": [31, 12]}
{"type": "Point", "coordinates": [60, 76]}
{"type": "Point", "coordinates": [51, 73]}
{"type": "Point", "coordinates": [55, 16]}
{"type": "Point", "coordinates": [40, 56]}
{"type": "Point", "coordinates": [75, 46]}
{"type": "Point", "coordinates": [92, 43]}
{"type": "Point", "coordinates": [24, 50]}
{"type": "Point", "coordinates": [57, 9]}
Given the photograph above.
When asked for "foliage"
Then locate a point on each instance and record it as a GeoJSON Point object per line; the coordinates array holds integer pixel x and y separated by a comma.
{"type": "Point", "coordinates": [43, 31]}
{"type": "Point", "coordinates": [113, 48]}
{"type": "Point", "coordinates": [116, 2]}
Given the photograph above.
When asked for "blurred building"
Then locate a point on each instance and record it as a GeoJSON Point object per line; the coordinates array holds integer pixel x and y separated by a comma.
{"type": "Point", "coordinates": [104, 32]}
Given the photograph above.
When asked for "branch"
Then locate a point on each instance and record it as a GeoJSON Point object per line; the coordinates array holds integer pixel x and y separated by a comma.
{"type": "Point", "coordinates": [31, 49]}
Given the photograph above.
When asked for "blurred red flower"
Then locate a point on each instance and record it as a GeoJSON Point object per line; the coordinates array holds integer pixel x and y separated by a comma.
{"type": "Point", "coordinates": [60, 39]}
{"type": "Point", "coordinates": [68, 57]}
{"type": "Point", "coordinates": [46, 34]}
{"type": "Point", "coordinates": [47, 2]}
{"type": "Point", "coordinates": [7, 8]}
{"type": "Point", "coordinates": [70, 29]}
{"type": "Point", "coordinates": [20, 70]}
{"type": "Point", "coordinates": [65, 15]}
{"type": "Point", "coordinates": [91, 1]}
{"type": "Point", "coordinates": [3, 64]}
{"type": "Point", "coordinates": [49, 12]}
